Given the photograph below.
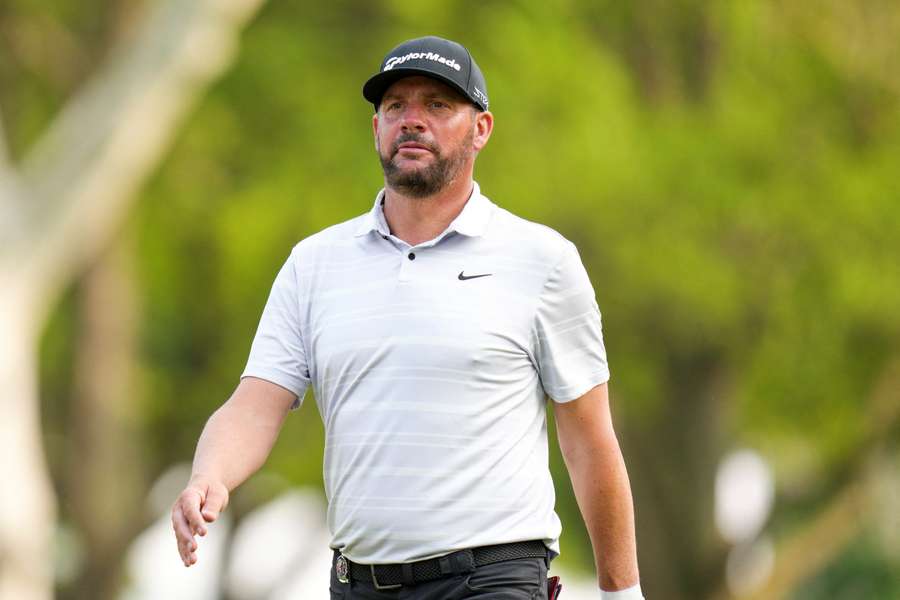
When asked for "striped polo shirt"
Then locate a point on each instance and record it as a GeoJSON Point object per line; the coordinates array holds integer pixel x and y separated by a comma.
{"type": "Point", "coordinates": [430, 365]}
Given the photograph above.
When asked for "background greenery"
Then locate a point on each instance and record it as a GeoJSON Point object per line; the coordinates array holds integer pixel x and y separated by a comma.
{"type": "Point", "coordinates": [728, 170]}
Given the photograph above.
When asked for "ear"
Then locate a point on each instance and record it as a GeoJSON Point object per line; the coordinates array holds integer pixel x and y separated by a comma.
{"type": "Point", "coordinates": [484, 125]}
{"type": "Point", "coordinates": [375, 130]}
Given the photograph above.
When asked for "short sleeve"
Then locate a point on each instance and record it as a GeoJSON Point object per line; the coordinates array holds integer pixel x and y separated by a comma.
{"type": "Point", "coordinates": [568, 336]}
{"type": "Point", "coordinates": [277, 354]}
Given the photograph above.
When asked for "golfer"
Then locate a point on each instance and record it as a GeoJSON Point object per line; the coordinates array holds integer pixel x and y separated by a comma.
{"type": "Point", "coordinates": [432, 330]}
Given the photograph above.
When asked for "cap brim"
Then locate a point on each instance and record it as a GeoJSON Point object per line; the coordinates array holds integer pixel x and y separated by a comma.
{"type": "Point", "coordinates": [377, 85]}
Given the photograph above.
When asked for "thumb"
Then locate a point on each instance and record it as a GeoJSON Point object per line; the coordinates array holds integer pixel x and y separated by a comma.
{"type": "Point", "coordinates": [216, 501]}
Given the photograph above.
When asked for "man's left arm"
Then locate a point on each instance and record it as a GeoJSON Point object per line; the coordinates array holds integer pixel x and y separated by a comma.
{"type": "Point", "coordinates": [600, 481]}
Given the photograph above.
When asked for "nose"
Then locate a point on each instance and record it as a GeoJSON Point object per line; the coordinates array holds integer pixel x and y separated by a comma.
{"type": "Point", "coordinates": [412, 119]}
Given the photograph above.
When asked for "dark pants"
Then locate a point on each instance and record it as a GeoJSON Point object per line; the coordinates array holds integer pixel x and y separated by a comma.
{"type": "Point", "coordinates": [518, 579]}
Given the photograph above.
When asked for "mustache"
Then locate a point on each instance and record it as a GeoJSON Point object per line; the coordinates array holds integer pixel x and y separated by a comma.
{"type": "Point", "coordinates": [412, 137]}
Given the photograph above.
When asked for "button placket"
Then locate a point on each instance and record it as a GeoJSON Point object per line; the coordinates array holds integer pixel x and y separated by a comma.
{"type": "Point", "coordinates": [407, 263]}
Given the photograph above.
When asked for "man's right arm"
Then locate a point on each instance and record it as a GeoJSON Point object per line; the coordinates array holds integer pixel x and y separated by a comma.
{"type": "Point", "coordinates": [235, 443]}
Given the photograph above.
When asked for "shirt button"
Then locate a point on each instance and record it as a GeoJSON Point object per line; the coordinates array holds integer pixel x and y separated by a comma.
{"type": "Point", "coordinates": [384, 236]}
{"type": "Point", "coordinates": [412, 256]}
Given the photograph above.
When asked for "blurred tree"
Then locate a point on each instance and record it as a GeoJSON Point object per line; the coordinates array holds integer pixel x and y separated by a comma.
{"type": "Point", "coordinates": [60, 209]}
{"type": "Point", "coordinates": [728, 171]}
{"type": "Point", "coordinates": [733, 228]}
{"type": "Point", "coordinates": [105, 480]}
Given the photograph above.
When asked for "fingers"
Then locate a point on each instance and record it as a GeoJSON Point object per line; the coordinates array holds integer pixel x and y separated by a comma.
{"type": "Point", "coordinates": [187, 545]}
{"type": "Point", "coordinates": [187, 522]}
{"type": "Point", "coordinates": [194, 498]}
{"type": "Point", "coordinates": [216, 501]}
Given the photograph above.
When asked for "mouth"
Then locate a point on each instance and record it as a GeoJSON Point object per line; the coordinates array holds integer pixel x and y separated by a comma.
{"type": "Point", "coordinates": [413, 147]}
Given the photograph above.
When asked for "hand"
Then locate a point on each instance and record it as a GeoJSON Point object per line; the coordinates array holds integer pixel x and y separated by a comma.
{"type": "Point", "coordinates": [200, 503]}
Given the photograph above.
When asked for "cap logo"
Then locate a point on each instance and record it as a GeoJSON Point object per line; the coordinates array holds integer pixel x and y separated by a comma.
{"type": "Point", "coordinates": [399, 60]}
{"type": "Point", "coordinates": [480, 95]}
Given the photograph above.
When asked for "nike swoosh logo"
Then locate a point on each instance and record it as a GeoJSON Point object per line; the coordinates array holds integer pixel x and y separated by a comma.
{"type": "Point", "coordinates": [464, 277]}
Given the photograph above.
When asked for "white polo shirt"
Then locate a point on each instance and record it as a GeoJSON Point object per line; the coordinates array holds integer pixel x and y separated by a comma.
{"type": "Point", "coordinates": [429, 365]}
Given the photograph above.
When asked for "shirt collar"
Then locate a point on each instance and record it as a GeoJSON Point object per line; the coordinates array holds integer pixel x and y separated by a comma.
{"type": "Point", "coordinates": [374, 219]}
{"type": "Point", "coordinates": [471, 221]}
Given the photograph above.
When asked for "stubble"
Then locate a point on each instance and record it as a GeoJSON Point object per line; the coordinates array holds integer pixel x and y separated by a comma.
{"type": "Point", "coordinates": [430, 179]}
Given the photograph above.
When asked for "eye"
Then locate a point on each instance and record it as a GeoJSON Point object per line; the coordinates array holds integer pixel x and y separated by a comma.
{"type": "Point", "coordinates": [393, 105]}
{"type": "Point", "coordinates": [438, 104]}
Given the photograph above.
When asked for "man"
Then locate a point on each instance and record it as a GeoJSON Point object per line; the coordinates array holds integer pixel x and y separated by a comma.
{"type": "Point", "coordinates": [431, 329]}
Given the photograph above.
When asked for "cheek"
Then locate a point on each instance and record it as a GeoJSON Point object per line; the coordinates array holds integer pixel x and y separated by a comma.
{"type": "Point", "coordinates": [380, 142]}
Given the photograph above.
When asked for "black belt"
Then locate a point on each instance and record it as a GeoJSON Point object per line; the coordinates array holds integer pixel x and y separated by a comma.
{"type": "Point", "coordinates": [455, 563]}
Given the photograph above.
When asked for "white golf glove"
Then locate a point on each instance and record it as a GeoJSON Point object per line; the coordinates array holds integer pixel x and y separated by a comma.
{"type": "Point", "coordinates": [632, 593]}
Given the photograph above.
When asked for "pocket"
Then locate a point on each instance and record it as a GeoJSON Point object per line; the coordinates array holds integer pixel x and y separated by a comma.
{"type": "Point", "coordinates": [520, 578]}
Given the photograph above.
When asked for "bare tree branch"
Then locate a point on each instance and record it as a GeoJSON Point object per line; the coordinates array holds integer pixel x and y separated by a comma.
{"type": "Point", "coordinates": [812, 546]}
{"type": "Point", "coordinates": [817, 543]}
{"type": "Point", "coordinates": [83, 173]}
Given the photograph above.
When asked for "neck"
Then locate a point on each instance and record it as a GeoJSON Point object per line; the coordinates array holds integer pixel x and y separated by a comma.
{"type": "Point", "coordinates": [417, 220]}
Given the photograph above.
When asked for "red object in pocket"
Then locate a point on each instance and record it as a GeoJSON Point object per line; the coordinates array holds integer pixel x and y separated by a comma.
{"type": "Point", "coordinates": [554, 587]}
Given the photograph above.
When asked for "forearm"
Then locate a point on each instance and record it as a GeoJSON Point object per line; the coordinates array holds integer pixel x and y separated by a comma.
{"type": "Point", "coordinates": [235, 442]}
{"type": "Point", "coordinates": [603, 492]}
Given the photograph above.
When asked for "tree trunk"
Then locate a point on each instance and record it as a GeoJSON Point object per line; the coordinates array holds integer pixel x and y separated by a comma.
{"type": "Point", "coordinates": [672, 458]}
{"type": "Point", "coordinates": [106, 480]}
{"type": "Point", "coordinates": [27, 502]}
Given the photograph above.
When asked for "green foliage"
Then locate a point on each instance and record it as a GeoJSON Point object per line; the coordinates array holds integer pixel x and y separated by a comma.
{"type": "Point", "coordinates": [862, 571]}
{"type": "Point", "coordinates": [727, 170]}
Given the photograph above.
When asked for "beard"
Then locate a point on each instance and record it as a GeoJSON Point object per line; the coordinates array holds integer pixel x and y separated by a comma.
{"type": "Point", "coordinates": [425, 181]}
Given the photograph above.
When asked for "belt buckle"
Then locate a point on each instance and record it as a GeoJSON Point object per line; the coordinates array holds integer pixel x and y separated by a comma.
{"type": "Point", "coordinates": [382, 587]}
{"type": "Point", "coordinates": [342, 569]}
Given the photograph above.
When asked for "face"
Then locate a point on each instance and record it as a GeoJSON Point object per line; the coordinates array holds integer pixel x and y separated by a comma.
{"type": "Point", "coordinates": [426, 135]}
